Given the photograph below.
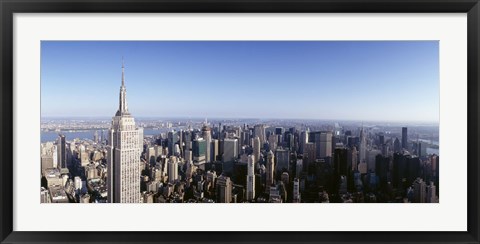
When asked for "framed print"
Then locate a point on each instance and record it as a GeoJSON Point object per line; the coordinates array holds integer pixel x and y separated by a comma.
{"type": "Point", "coordinates": [263, 121]}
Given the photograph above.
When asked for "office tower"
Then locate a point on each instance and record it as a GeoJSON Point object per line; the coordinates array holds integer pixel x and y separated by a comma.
{"type": "Point", "coordinates": [214, 150]}
{"type": "Point", "coordinates": [172, 140]}
{"type": "Point", "coordinates": [419, 189]}
{"type": "Point", "coordinates": [172, 170]}
{"type": "Point", "coordinates": [230, 152]}
{"type": "Point", "coordinates": [46, 162]}
{"type": "Point", "coordinates": [340, 162]}
{"type": "Point", "coordinates": [270, 170]}
{"type": "Point", "coordinates": [396, 146]}
{"type": "Point", "coordinates": [296, 190]}
{"type": "Point", "coordinates": [352, 158]}
{"type": "Point", "coordinates": [399, 169]}
{"type": "Point", "coordinates": [382, 165]}
{"type": "Point", "coordinates": [272, 142]}
{"type": "Point", "coordinates": [413, 168]}
{"type": "Point", "coordinates": [207, 136]}
{"type": "Point", "coordinates": [325, 144]}
{"type": "Point", "coordinates": [256, 148]}
{"type": "Point", "coordinates": [370, 160]}
{"type": "Point", "coordinates": [298, 168]}
{"type": "Point", "coordinates": [282, 161]}
{"type": "Point", "coordinates": [309, 153]}
{"type": "Point", "coordinates": [385, 149]}
{"type": "Point", "coordinates": [431, 193]}
{"type": "Point", "coordinates": [381, 139]}
{"type": "Point", "coordinates": [279, 131]}
{"type": "Point", "coordinates": [251, 178]}
{"type": "Point", "coordinates": [404, 138]}
{"type": "Point", "coordinates": [303, 140]}
{"type": "Point", "coordinates": [61, 152]}
{"type": "Point", "coordinates": [180, 141]}
{"type": "Point", "coordinates": [125, 146]}
{"type": "Point", "coordinates": [199, 150]}
{"type": "Point", "coordinates": [188, 155]}
{"type": "Point", "coordinates": [259, 130]}
{"type": "Point", "coordinates": [224, 189]}
{"type": "Point", "coordinates": [362, 147]}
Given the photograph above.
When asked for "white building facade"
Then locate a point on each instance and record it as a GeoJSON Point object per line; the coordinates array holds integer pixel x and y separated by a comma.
{"type": "Point", "coordinates": [125, 146]}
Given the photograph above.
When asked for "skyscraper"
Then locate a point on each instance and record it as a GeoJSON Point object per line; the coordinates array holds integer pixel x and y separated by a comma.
{"type": "Point", "coordinates": [362, 147]}
{"type": "Point", "coordinates": [125, 148]}
{"type": "Point", "coordinates": [296, 190]}
{"type": "Point", "coordinates": [396, 146]}
{"type": "Point", "coordinates": [61, 152]}
{"type": "Point", "coordinates": [404, 138]}
{"type": "Point", "coordinates": [207, 136]}
{"type": "Point", "coordinates": [256, 148]}
{"type": "Point", "coordinates": [251, 177]}
{"type": "Point", "coordinates": [325, 145]}
{"type": "Point", "coordinates": [230, 150]}
{"type": "Point", "coordinates": [224, 189]}
{"type": "Point", "coordinates": [270, 170]}
{"type": "Point", "coordinates": [172, 169]}
{"type": "Point", "coordinates": [259, 130]}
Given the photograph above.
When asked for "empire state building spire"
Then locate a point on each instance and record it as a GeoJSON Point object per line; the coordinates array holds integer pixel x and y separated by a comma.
{"type": "Point", "coordinates": [123, 107]}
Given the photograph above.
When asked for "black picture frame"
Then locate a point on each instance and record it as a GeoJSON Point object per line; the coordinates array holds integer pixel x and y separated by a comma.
{"type": "Point", "coordinates": [9, 7]}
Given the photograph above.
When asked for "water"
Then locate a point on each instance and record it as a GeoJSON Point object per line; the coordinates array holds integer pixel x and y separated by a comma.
{"type": "Point", "coordinates": [47, 136]}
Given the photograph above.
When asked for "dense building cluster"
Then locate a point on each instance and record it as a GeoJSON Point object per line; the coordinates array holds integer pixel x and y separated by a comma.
{"type": "Point", "coordinates": [243, 163]}
{"type": "Point", "coordinates": [276, 162]}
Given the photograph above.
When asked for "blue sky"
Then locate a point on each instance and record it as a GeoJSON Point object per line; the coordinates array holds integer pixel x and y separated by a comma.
{"type": "Point", "coordinates": [344, 80]}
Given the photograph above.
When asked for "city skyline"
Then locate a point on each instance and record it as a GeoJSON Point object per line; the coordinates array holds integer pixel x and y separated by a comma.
{"type": "Point", "coordinates": [242, 160]}
{"type": "Point", "coordinates": [158, 88]}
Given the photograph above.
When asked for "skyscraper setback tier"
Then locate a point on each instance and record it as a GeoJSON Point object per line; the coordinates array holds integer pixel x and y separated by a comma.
{"type": "Point", "coordinates": [124, 151]}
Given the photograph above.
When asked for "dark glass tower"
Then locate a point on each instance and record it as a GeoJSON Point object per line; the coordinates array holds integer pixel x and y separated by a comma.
{"type": "Point", "coordinates": [404, 138]}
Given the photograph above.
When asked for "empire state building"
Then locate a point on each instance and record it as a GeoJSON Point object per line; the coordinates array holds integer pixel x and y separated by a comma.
{"type": "Point", "coordinates": [125, 148]}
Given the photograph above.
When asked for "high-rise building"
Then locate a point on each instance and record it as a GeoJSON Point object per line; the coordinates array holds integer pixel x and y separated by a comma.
{"type": "Point", "coordinates": [282, 161]}
{"type": "Point", "coordinates": [172, 170]}
{"type": "Point", "coordinates": [419, 188]}
{"type": "Point", "coordinates": [224, 189]}
{"type": "Point", "coordinates": [272, 142]}
{"type": "Point", "coordinates": [303, 141]}
{"type": "Point", "coordinates": [125, 146]}
{"type": "Point", "coordinates": [325, 145]}
{"type": "Point", "coordinates": [309, 153]}
{"type": "Point", "coordinates": [46, 162]}
{"type": "Point", "coordinates": [296, 190]}
{"type": "Point", "coordinates": [251, 178]}
{"type": "Point", "coordinates": [214, 150]}
{"type": "Point", "coordinates": [61, 152]}
{"type": "Point", "coordinates": [172, 140]}
{"type": "Point", "coordinates": [256, 148]}
{"type": "Point", "coordinates": [230, 148]}
{"type": "Point", "coordinates": [207, 136]}
{"type": "Point", "coordinates": [199, 150]}
{"type": "Point", "coordinates": [362, 147]}
{"type": "Point", "coordinates": [431, 193]}
{"type": "Point", "coordinates": [352, 158]}
{"type": "Point", "coordinates": [270, 174]}
{"type": "Point", "coordinates": [396, 146]}
{"type": "Point", "coordinates": [404, 138]}
{"type": "Point", "coordinates": [371, 159]}
{"type": "Point", "coordinates": [259, 130]}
